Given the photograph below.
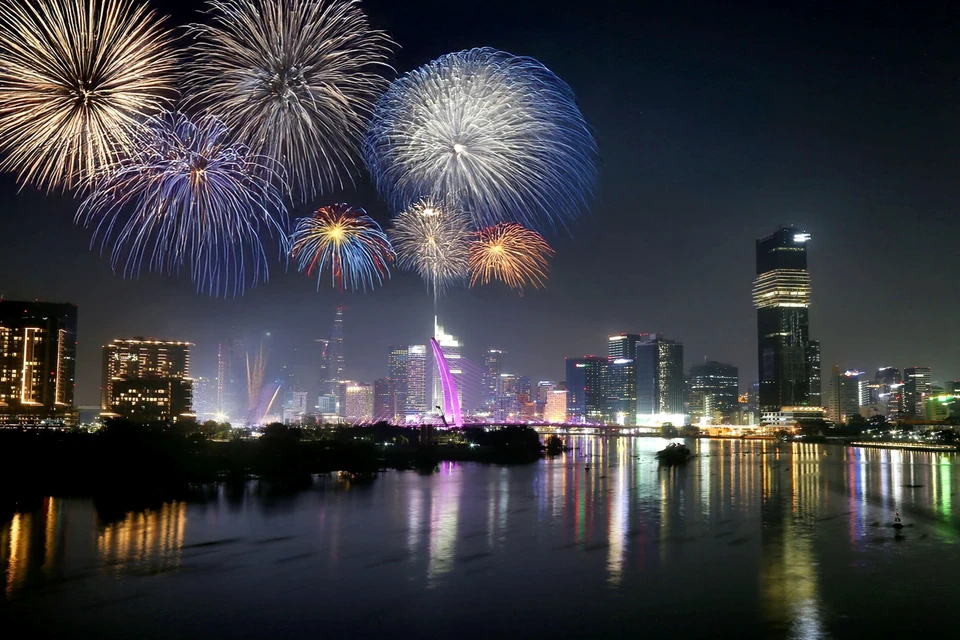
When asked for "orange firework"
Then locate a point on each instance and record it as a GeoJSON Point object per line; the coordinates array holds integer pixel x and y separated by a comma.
{"type": "Point", "coordinates": [511, 253]}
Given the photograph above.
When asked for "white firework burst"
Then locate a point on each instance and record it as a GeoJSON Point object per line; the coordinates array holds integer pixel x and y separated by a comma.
{"type": "Point", "coordinates": [434, 242]}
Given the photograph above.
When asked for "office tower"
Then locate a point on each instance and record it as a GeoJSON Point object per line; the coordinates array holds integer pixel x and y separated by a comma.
{"type": "Point", "coordinates": [205, 394]}
{"type": "Point", "coordinates": [384, 400]}
{"type": "Point", "coordinates": [492, 368]}
{"type": "Point", "coordinates": [359, 401]}
{"type": "Point", "coordinates": [295, 406]}
{"type": "Point", "coordinates": [815, 396]}
{"type": "Point", "coordinates": [336, 364]}
{"type": "Point", "coordinates": [38, 353]}
{"type": "Point", "coordinates": [544, 389]}
{"type": "Point", "coordinates": [416, 377]}
{"type": "Point", "coordinates": [585, 399]}
{"type": "Point", "coordinates": [556, 407]}
{"type": "Point", "coordinates": [618, 379]}
{"type": "Point", "coordinates": [916, 386]}
{"type": "Point", "coordinates": [397, 374]}
{"type": "Point", "coordinates": [714, 390]}
{"type": "Point", "coordinates": [660, 385]}
{"type": "Point", "coordinates": [232, 373]}
{"type": "Point", "coordinates": [508, 404]}
{"type": "Point", "coordinates": [624, 345]}
{"type": "Point", "coordinates": [843, 395]}
{"type": "Point", "coordinates": [147, 380]}
{"type": "Point", "coordinates": [781, 294]}
{"type": "Point", "coordinates": [451, 348]}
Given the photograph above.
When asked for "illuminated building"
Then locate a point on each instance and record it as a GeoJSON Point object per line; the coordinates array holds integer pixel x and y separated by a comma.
{"type": "Point", "coordinates": [916, 386]}
{"type": "Point", "coordinates": [556, 407]}
{"type": "Point", "coordinates": [359, 397]}
{"type": "Point", "coordinates": [508, 403]}
{"type": "Point", "coordinates": [146, 380]}
{"type": "Point", "coordinates": [618, 379]}
{"type": "Point", "coordinates": [38, 352]}
{"type": "Point", "coordinates": [205, 398]}
{"type": "Point", "coordinates": [232, 397]}
{"type": "Point", "coordinates": [544, 389]}
{"type": "Point", "coordinates": [585, 399]}
{"type": "Point", "coordinates": [714, 389]}
{"type": "Point", "coordinates": [941, 406]}
{"type": "Point", "coordinates": [416, 396]}
{"type": "Point", "coordinates": [787, 359]}
{"type": "Point", "coordinates": [397, 375]}
{"type": "Point", "coordinates": [887, 398]}
{"type": "Point", "coordinates": [451, 352]}
{"type": "Point", "coordinates": [844, 393]}
{"type": "Point", "coordinates": [660, 384]}
{"type": "Point", "coordinates": [295, 404]}
{"type": "Point", "coordinates": [492, 368]}
{"type": "Point", "coordinates": [952, 387]}
{"type": "Point", "coordinates": [625, 345]}
{"type": "Point", "coordinates": [384, 401]}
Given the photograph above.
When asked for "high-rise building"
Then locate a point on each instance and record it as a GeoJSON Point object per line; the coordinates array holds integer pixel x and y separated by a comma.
{"type": "Point", "coordinates": [205, 394]}
{"type": "Point", "coordinates": [384, 400]}
{"type": "Point", "coordinates": [416, 394]}
{"type": "Point", "coordinates": [660, 384]}
{"type": "Point", "coordinates": [146, 380]}
{"type": "Point", "coordinates": [618, 379]}
{"type": "Point", "coordinates": [295, 406]}
{"type": "Point", "coordinates": [397, 374]}
{"type": "Point", "coordinates": [844, 390]}
{"type": "Point", "coordinates": [451, 351]}
{"type": "Point", "coordinates": [916, 386]}
{"type": "Point", "coordinates": [509, 402]}
{"type": "Point", "coordinates": [336, 363]}
{"type": "Point", "coordinates": [232, 394]}
{"type": "Point", "coordinates": [38, 354]}
{"type": "Point", "coordinates": [624, 345]}
{"type": "Point", "coordinates": [492, 368]}
{"type": "Point", "coordinates": [544, 389]}
{"type": "Point", "coordinates": [781, 294]}
{"type": "Point", "coordinates": [555, 409]}
{"type": "Point", "coordinates": [585, 398]}
{"type": "Point", "coordinates": [952, 387]}
{"type": "Point", "coordinates": [714, 390]}
{"type": "Point", "coordinates": [359, 401]}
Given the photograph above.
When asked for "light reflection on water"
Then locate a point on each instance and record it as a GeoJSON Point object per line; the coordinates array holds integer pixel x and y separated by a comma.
{"type": "Point", "coordinates": [759, 539]}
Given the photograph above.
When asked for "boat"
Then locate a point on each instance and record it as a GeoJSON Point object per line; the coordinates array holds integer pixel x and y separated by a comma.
{"type": "Point", "coordinates": [674, 453]}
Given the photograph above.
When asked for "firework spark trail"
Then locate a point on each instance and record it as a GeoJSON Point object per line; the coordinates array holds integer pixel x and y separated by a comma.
{"type": "Point", "coordinates": [184, 196]}
{"type": "Point", "coordinates": [77, 78]}
{"type": "Point", "coordinates": [434, 242]}
{"type": "Point", "coordinates": [346, 241]}
{"type": "Point", "coordinates": [294, 80]}
{"type": "Point", "coordinates": [511, 253]}
{"type": "Point", "coordinates": [486, 132]}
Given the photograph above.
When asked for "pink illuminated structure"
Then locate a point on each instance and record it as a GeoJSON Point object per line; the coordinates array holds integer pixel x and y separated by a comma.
{"type": "Point", "coordinates": [451, 403]}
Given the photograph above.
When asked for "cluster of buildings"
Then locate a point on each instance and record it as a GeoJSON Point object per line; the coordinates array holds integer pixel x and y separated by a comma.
{"type": "Point", "coordinates": [640, 381]}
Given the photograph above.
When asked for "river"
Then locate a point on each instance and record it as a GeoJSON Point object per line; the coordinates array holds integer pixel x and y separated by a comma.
{"type": "Point", "coordinates": [750, 539]}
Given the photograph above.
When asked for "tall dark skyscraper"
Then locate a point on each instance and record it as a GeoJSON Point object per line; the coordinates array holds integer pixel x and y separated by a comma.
{"type": "Point", "coordinates": [38, 359]}
{"type": "Point", "coordinates": [585, 398]}
{"type": "Point", "coordinates": [397, 367]}
{"type": "Point", "coordinates": [714, 391]}
{"type": "Point", "coordinates": [232, 378]}
{"type": "Point", "coordinates": [492, 368]}
{"type": "Point", "coordinates": [916, 385]}
{"type": "Point", "coordinates": [781, 294]}
{"type": "Point", "coordinates": [331, 389]}
{"type": "Point", "coordinates": [660, 386]}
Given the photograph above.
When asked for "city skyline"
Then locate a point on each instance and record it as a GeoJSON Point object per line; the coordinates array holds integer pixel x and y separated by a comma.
{"type": "Point", "coordinates": [692, 172]}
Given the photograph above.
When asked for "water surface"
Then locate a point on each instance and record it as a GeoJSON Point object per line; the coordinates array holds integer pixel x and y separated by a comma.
{"type": "Point", "coordinates": [751, 539]}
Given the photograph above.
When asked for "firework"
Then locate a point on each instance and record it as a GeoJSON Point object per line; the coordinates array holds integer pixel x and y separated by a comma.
{"type": "Point", "coordinates": [294, 80]}
{"type": "Point", "coordinates": [77, 78]}
{"type": "Point", "coordinates": [510, 253]}
{"type": "Point", "coordinates": [186, 197]}
{"type": "Point", "coordinates": [485, 131]}
{"type": "Point", "coordinates": [434, 242]}
{"type": "Point", "coordinates": [345, 240]}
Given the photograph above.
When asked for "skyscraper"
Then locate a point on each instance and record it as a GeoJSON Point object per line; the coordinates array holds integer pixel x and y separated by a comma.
{"type": "Point", "coordinates": [660, 387]}
{"type": "Point", "coordinates": [451, 351]}
{"type": "Point", "coordinates": [416, 394]}
{"type": "Point", "coordinates": [843, 395]}
{"type": "Point", "coordinates": [359, 401]}
{"type": "Point", "coordinates": [619, 384]}
{"type": "Point", "coordinates": [714, 391]}
{"type": "Point", "coordinates": [916, 385]}
{"type": "Point", "coordinates": [781, 294]}
{"type": "Point", "coordinates": [38, 354]}
{"type": "Point", "coordinates": [147, 380]}
{"type": "Point", "coordinates": [397, 374]}
{"type": "Point", "coordinates": [492, 368]}
{"type": "Point", "coordinates": [585, 399]}
{"type": "Point", "coordinates": [384, 400]}
{"type": "Point", "coordinates": [336, 362]}
{"type": "Point", "coordinates": [508, 403]}
{"type": "Point", "coordinates": [624, 345]}
{"type": "Point", "coordinates": [556, 407]}
{"type": "Point", "coordinates": [232, 378]}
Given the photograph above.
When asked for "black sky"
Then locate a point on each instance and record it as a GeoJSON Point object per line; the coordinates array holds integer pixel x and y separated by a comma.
{"type": "Point", "coordinates": [715, 124]}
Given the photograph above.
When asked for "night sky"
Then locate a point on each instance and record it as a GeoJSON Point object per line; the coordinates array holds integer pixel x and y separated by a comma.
{"type": "Point", "coordinates": [714, 126]}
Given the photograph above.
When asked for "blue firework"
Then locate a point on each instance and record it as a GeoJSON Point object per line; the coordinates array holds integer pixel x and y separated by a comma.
{"type": "Point", "coordinates": [484, 131]}
{"type": "Point", "coordinates": [186, 198]}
